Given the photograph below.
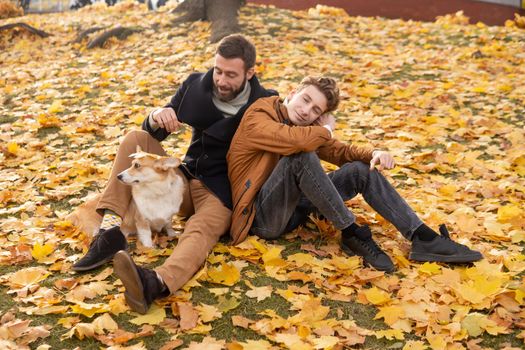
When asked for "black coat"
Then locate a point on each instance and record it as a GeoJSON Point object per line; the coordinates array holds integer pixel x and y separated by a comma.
{"type": "Point", "coordinates": [212, 132]}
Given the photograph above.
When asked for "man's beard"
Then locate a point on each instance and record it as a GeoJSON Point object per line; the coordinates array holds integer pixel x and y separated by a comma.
{"type": "Point", "coordinates": [231, 95]}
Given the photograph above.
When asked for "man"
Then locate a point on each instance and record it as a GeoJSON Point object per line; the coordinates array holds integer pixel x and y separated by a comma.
{"type": "Point", "coordinates": [213, 104]}
{"type": "Point", "coordinates": [277, 179]}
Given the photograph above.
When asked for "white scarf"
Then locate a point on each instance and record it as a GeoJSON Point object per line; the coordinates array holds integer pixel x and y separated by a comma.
{"type": "Point", "coordinates": [230, 108]}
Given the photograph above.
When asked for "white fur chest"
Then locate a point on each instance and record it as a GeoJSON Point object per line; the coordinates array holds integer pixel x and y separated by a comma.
{"type": "Point", "coordinates": [158, 202]}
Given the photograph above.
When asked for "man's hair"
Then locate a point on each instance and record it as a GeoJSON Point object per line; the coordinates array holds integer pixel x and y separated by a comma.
{"type": "Point", "coordinates": [237, 46]}
{"type": "Point", "coordinates": [327, 86]}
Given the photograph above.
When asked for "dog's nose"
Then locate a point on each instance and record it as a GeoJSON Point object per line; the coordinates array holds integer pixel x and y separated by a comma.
{"type": "Point", "coordinates": [119, 176]}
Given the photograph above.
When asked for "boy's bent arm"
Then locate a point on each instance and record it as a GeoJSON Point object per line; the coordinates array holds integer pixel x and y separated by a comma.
{"type": "Point", "coordinates": [339, 153]}
{"type": "Point", "coordinates": [267, 134]}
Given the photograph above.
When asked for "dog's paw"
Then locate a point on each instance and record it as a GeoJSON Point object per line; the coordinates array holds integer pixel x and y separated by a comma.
{"type": "Point", "coordinates": [147, 242]}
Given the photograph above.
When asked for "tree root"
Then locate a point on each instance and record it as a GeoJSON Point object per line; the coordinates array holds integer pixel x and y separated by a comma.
{"type": "Point", "coordinates": [27, 27]}
{"type": "Point", "coordinates": [120, 33]}
{"type": "Point", "coordinates": [82, 35]}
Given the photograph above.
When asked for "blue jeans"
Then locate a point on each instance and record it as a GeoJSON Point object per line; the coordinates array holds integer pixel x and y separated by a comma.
{"type": "Point", "coordinates": [299, 186]}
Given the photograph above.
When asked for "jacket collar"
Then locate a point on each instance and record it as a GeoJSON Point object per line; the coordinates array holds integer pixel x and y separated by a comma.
{"type": "Point", "coordinates": [282, 112]}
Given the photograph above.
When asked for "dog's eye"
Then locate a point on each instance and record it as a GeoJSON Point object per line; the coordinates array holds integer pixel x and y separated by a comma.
{"type": "Point", "coordinates": [137, 165]}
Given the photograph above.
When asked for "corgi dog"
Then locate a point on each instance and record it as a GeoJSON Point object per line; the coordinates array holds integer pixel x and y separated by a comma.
{"type": "Point", "coordinates": [157, 187]}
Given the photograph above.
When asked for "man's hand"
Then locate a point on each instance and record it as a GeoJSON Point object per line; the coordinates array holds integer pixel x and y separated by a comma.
{"type": "Point", "coordinates": [166, 119]}
{"type": "Point", "coordinates": [325, 119]}
{"type": "Point", "coordinates": [383, 159]}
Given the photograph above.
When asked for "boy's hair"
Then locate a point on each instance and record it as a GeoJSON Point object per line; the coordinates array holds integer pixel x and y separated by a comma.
{"type": "Point", "coordinates": [327, 86]}
{"type": "Point", "coordinates": [237, 46]}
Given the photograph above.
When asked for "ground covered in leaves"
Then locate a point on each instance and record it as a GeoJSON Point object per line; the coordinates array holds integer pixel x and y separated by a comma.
{"type": "Point", "coordinates": [447, 98]}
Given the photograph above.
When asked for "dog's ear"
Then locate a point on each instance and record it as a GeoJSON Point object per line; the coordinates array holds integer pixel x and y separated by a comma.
{"type": "Point", "coordinates": [167, 163]}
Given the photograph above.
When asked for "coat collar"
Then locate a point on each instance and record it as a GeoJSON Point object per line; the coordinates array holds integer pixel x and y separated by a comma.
{"type": "Point", "coordinates": [282, 112]}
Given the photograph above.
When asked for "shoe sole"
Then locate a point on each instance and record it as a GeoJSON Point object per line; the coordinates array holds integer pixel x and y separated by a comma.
{"type": "Point", "coordinates": [462, 259]}
{"type": "Point", "coordinates": [92, 266]}
{"type": "Point", "coordinates": [350, 252]}
{"type": "Point", "coordinates": [124, 268]}
{"type": "Point", "coordinates": [95, 265]}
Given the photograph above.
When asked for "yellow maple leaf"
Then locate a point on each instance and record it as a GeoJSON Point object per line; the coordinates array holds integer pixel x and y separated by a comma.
{"type": "Point", "coordinates": [80, 330]}
{"type": "Point", "coordinates": [272, 256]}
{"type": "Point", "coordinates": [40, 251]}
{"type": "Point", "coordinates": [376, 296]}
{"type": "Point", "coordinates": [226, 304]}
{"type": "Point", "coordinates": [103, 323]}
{"type": "Point", "coordinates": [519, 295]}
{"type": "Point", "coordinates": [371, 91]}
{"type": "Point", "coordinates": [118, 305]}
{"type": "Point", "coordinates": [430, 268]}
{"type": "Point", "coordinates": [68, 322]}
{"type": "Point", "coordinates": [156, 314]}
{"type": "Point", "coordinates": [415, 345]}
{"type": "Point", "coordinates": [89, 310]}
{"type": "Point", "coordinates": [12, 148]}
{"type": "Point", "coordinates": [56, 107]}
{"type": "Point", "coordinates": [391, 314]}
{"type": "Point", "coordinates": [325, 342]}
{"type": "Point", "coordinates": [226, 274]}
{"type": "Point", "coordinates": [260, 293]}
{"type": "Point", "coordinates": [312, 310]}
{"type": "Point", "coordinates": [390, 334]}
{"type": "Point", "coordinates": [27, 277]}
{"type": "Point", "coordinates": [448, 190]}
{"type": "Point", "coordinates": [208, 313]}
{"type": "Point", "coordinates": [509, 212]}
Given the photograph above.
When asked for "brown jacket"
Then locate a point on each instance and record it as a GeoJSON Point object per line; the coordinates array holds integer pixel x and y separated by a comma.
{"type": "Point", "coordinates": [263, 136]}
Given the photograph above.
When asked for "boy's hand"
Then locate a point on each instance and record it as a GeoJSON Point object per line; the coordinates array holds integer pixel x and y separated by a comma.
{"type": "Point", "coordinates": [383, 159]}
{"type": "Point", "coordinates": [166, 119]}
{"type": "Point", "coordinates": [325, 119]}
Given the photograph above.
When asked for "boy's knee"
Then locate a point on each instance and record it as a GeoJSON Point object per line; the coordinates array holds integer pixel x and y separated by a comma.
{"type": "Point", "coordinates": [357, 167]}
{"type": "Point", "coordinates": [304, 158]}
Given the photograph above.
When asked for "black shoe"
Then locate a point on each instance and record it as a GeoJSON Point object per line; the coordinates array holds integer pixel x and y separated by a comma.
{"type": "Point", "coordinates": [142, 285]}
{"type": "Point", "coordinates": [442, 249]}
{"type": "Point", "coordinates": [361, 243]}
{"type": "Point", "coordinates": [102, 249]}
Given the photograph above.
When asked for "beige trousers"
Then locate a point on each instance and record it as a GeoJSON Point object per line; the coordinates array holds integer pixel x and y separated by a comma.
{"type": "Point", "coordinates": [208, 218]}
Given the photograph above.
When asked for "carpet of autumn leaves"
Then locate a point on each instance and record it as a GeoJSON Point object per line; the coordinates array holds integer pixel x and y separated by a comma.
{"type": "Point", "coordinates": [446, 98]}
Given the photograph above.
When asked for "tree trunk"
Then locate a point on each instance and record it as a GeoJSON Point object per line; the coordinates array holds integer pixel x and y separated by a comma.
{"type": "Point", "coordinates": [221, 13]}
